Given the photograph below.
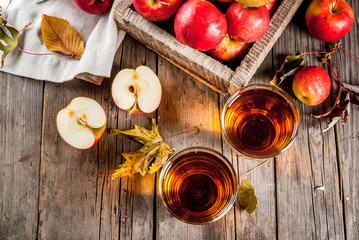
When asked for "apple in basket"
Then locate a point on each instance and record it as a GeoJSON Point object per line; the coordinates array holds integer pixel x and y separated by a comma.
{"type": "Point", "coordinates": [200, 25]}
{"type": "Point", "coordinates": [254, 3]}
{"type": "Point", "coordinates": [82, 123]}
{"type": "Point", "coordinates": [329, 20]}
{"type": "Point", "coordinates": [157, 10]}
{"type": "Point", "coordinates": [94, 6]}
{"type": "Point", "coordinates": [229, 50]}
{"type": "Point", "coordinates": [137, 90]}
{"type": "Point", "coordinates": [272, 7]}
{"type": "Point", "coordinates": [247, 24]}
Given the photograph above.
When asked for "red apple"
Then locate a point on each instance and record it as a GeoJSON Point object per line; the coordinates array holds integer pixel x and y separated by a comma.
{"type": "Point", "coordinates": [272, 7]}
{"type": "Point", "coordinates": [247, 24]}
{"type": "Point", "coordinates": [312, 85]}
{"type": "Point", "coordinates": [229, 50]}
{"type": "Point", "coordinates": [200, 25]}
{"type": "Point", "coordinates": [94, 6]}
{"type": "Point", "coordinates": [157, 10]}
{"type": "Point", "coordinates": [137, 90]}
{"type": "Point", "coordinates": [329, 20]}
{"type": "Point", "coordinates": [82, 123]}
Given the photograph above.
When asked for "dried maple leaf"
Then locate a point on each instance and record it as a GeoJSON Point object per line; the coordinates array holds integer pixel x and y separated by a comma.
{"type": "Point", "coordinates": [147, 159]}
{"type": "Point", "coordinates": [291, 65]}
{"type": "Point", "coordinates": [59, 36]}
{"type": "Point", "coordinates": [246, 196]}
{"type": "Point", "coordinates": [10, 37]}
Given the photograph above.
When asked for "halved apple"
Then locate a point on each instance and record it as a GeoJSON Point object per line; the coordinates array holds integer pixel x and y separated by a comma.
{"type": "Point", "coordinates": [137, 91]}
{"type": "Point", "coordinates": [82, 123]}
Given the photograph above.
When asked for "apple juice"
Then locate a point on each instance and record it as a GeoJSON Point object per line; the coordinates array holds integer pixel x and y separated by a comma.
{"type": "Point", "coordinates": [260, 121]}
{"type": "Point", "coordinates": [198, 185]}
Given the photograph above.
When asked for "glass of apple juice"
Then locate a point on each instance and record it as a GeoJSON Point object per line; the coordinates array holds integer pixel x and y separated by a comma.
{"type": "Point", "coordinates": [198, 185]}
{"type": "Point", "coordinates": [260, 120]}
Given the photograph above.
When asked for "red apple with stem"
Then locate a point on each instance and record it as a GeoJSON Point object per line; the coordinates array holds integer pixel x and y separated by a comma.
{"type": "Point", "coordinates": [329, 20]}
{"type": "Point", "coordinates": [312, 85]}
{"type": "Point", "coordinates": [229, 50]}
{"type": "Point", "coordinates": [157, 10]}
{"type": "Point", "coordinates": [200, 25]}
{"type": "Point", "coordinates": [247, 24]}
{"type": "Point", "coordinates": [94, 6]}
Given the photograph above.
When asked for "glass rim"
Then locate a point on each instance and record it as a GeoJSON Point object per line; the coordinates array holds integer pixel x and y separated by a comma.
{"type": "Point", "coordinates": [224, 159]}
{"type": "Point", "coordinates": [277, 90]}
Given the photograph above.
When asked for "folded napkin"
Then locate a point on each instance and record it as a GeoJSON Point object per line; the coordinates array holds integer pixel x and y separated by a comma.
{"type": "Point", "coordinates": [100, 33]}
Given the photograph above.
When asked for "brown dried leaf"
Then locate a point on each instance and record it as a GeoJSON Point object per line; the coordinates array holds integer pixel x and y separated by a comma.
{"type": "Point", "coordinates": [147, 159]}
{"type": "Point", "coordinates": [291, 65]}
{"type": "Point", "coordinates": [347, 94]}
{"type": "Point", "coordinates": [59, 36]}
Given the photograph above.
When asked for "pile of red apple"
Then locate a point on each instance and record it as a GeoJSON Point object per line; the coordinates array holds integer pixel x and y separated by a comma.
{"type": "Point", "coordinates": [201, 25]}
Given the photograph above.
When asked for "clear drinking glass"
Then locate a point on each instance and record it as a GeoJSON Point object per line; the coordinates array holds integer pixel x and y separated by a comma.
{"type": "Point", "coordinates": [260, 120]}
{"type": "Point", "coordinates": [198, 185]}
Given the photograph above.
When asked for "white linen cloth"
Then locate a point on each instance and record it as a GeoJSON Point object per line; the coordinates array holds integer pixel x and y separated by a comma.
{"type": "Point", "coordinates": [100, 33]}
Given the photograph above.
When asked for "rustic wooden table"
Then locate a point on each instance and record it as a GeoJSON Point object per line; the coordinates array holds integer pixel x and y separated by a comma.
{"type": "Point", "coordinates": [50, 190]}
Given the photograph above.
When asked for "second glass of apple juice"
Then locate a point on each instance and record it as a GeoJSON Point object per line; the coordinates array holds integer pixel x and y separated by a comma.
{"type": "Point", "coordinates": [198, 185]}
{"type": "Point", "coordinates": [260, 120]}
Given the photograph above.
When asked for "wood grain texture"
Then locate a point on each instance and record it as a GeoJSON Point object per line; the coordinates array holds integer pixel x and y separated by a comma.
{"type": "Point", "coordinates": [50, 190]}
{"type": "Point", "coordinates": [136, 193]}
{"type": "Point", "coordinates": [347, 136]}
{"type": "Point", "coordinates": [187, 104]}
{"type": "Point", "coordinates": [20, 141]}
{"type": "Point", "coordinates": [311, 162]}
{"type": "Point", "coordinates": [262, 223]}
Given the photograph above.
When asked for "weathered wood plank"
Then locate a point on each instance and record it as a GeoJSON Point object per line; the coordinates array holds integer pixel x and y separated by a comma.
{"type": "Point", "coordinates": [20, 141]}
{"type": "Point", "coordinates": [303, 212]}
{"type": "Point", "coordinates": [186, 104]}
{"type": "Point", "coordinates": [262, 223]}
{"type": "Point", "coordinates": [136, 193]}
{"type": "Point", "coordinates": [69, 189]}
{"type": "Point", "coordinates": [347, 135]}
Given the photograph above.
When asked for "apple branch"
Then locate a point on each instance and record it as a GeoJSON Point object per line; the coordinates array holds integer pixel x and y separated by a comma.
{"type": "Point", "coordinates": [196, 128]}
{"type": "Point", "coordinates": [30, 53]}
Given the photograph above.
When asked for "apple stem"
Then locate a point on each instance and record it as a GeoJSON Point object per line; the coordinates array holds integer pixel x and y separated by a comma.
{"type": "Point", "coordinates": [258, 166]}
{"type": "Point", "coordinates": [37, 54]}
{"type": "Point", "coordinates": [349, 52]}
{"type": "Point", "coordinates": [335, 5]}
{"type": "Point", "coordinates": [164, 3]}
{"type": "Point", "coordinates": [338, 75]}
{"type": "Point", "coordinates": [320, 52]}
{"type": "Point", "coordinates": [195, 129]}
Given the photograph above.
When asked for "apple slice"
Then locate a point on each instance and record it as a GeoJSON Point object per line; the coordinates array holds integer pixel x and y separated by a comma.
{"type": "Point", "coordinates": [82, 123]}
{"type": "Point", "coordinates": [137, 91]}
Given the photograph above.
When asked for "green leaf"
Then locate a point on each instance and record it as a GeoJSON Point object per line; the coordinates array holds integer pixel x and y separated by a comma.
{"type": "Point", "coordinates": [291, 65]}
{"type": "Point", "coordinates": [147, 159]}
{"type": "Point", "coordinates": [10, 37]}
{"type": "Point", "coordinates": [246, 196]}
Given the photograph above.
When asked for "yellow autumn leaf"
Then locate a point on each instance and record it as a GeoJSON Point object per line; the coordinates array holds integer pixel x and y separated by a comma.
{"type": "Point", "coordinates": [59, 36]}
